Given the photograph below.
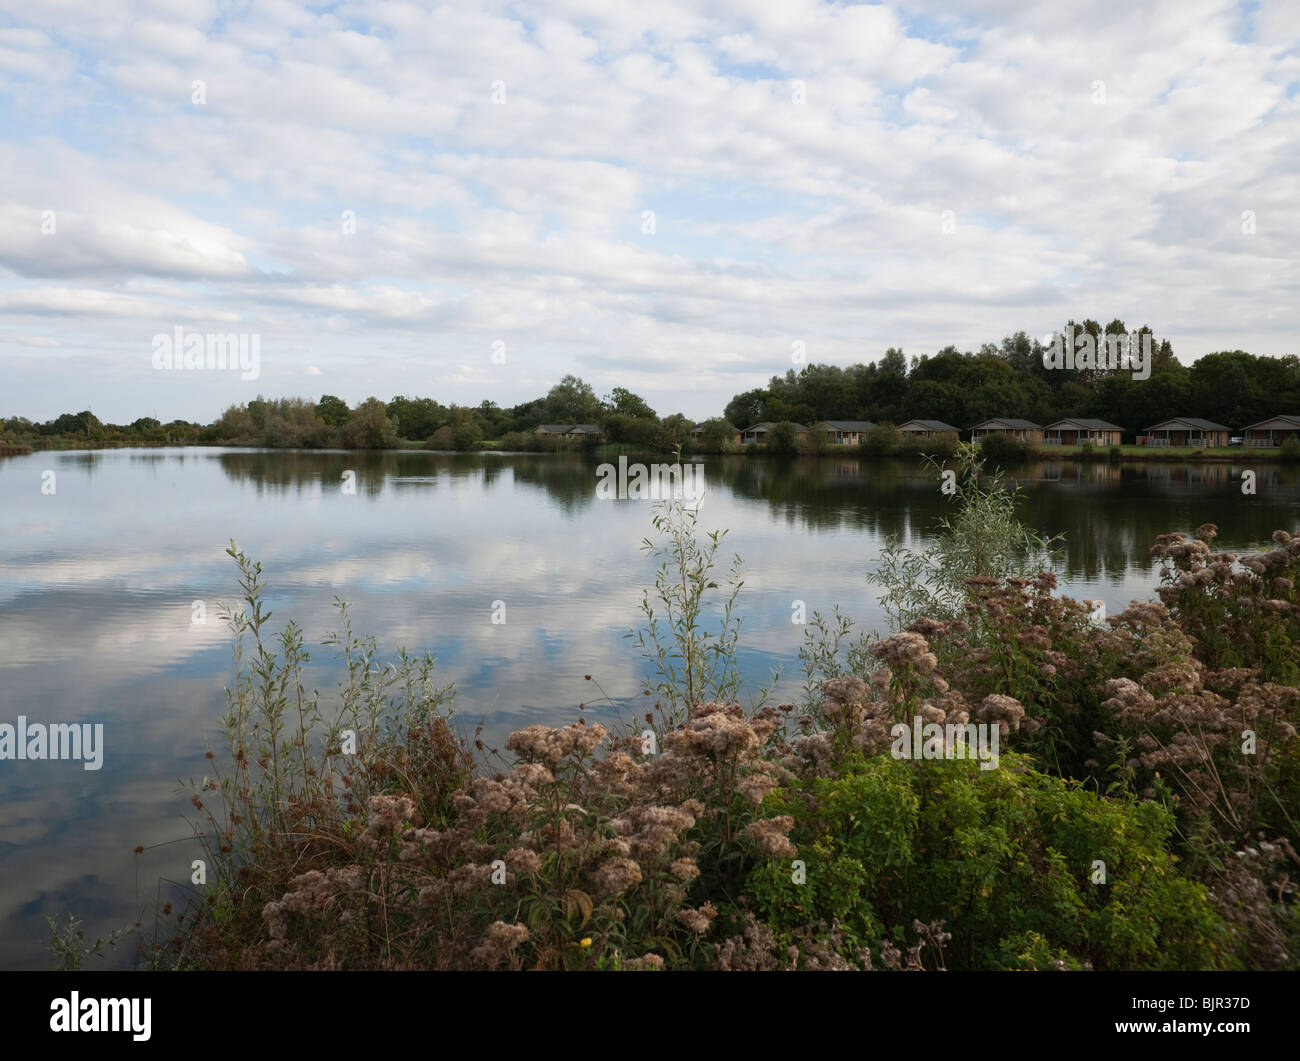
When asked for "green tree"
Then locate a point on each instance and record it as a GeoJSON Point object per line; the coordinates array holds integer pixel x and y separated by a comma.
{"type": "Point", "coordinates": [21, 427]}
{"type": "Point", "coordinates": [234, 426]}
{"type": "Point", "coordinates": [630, 430]}
{"type": "Point", "coordinates": [84, 423]}
{"type": "Point", "coordinates": [893, 363]}
{"type": "Point", "coordinates": [745, 410]}
{"type": "Point", "coordinates": [466, 434]}
{"type": "Point", "coordinates": [494, 420]}
{"type": "Point", "coordinates": [525, 416]}
{"type": "Point", "coordinates": [370, 427]}
{"type": "Point", "coordinates": [334, 411]}
{"type": "Point", "coordinates": [257, 413]}
{"type": "Point", "coordinates": [571, 401]}
{"type": "Point", "coordinates": [417, 418]}
{"type": "Point", "coordinates": [624, 401]}
{"type": "Point", "coordinates": [1228, 388]}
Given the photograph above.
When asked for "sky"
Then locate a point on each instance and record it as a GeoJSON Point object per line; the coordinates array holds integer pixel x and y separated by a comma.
{"type": "Point", "coordinates": [469, 201]}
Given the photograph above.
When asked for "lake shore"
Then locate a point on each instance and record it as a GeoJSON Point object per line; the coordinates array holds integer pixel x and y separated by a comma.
{"type": "Point", "coordinates": [1164, 454]}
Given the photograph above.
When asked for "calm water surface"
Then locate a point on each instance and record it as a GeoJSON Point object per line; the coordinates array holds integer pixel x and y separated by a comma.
{"type": "Point", "coordinates": [97, 582]}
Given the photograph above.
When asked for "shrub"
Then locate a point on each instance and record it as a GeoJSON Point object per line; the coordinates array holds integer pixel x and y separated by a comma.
{"type": "Point", "coordinates": [882, 440]}
{"type": "Point", "coordinates": [1239, 611]}
{"type": "Point", "coordinates": [782, 438]}
{"type": "Point", "coordinates": [1290, 450]}
{"type": "Point", "coordinates": [442, 439]}
{"type": "Point", "coordinates": [524, 441]}
{"type": "Point", "coordinates": [1001, 857]}
{"type": "Point", "coordinates": [1003, 448]}
{"type": "Point", "coordinates": [637, 433]}
{"type": "Point", "coordinates": [716, 435]}
{"type": "Point", "coordinates": [466, 435]}
{"type": "Point", "coordinates": [941, 444]}
{"type": "Point", "coordinates": [983, 539]}
{"type": "Point", "coordinates": [1165, 743]}
{"type": "Point", "coordinates": [816, 441]}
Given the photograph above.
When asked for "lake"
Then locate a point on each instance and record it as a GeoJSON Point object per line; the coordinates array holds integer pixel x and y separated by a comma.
{"type": "Point", "coordinates": [99, 579]}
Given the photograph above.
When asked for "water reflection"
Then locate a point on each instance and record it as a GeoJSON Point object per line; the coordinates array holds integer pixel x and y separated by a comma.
{"type": "Point", "coordinates": [884, 497]}
{"type": "Point", "coordinates": [97, 584]}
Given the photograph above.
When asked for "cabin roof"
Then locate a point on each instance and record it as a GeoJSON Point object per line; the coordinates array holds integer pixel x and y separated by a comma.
{"type": "Point", "coordinates": [927, 425]}
{"type": "Point", "coordinates": [1010, 422]}
{"type": "Point", "coordinates": [1086, 423]}
{"type": "Point", "coordinates": [1283, 421]}
{"type": "Point", "coordinates": [1189, 421]}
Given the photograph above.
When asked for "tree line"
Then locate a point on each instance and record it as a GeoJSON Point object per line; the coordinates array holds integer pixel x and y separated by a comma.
{"type": "Point", "coordinates": [1008, 379]}
{"type": "Point", "coordinates": [330, 422]}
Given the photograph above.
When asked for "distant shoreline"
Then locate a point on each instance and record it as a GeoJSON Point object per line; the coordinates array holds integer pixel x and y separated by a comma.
{"type": "Point", "coordinates": [1164, 454]}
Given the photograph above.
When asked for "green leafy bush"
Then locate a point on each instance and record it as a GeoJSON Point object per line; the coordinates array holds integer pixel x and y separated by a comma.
{"type": "Point", "coordinates": [1003, 448]}
{"type": "Point", "coordinates": [883, 440]}
{"type": "Point", "coordinates": [982, 539]}
{"type": "Point", "coordinates": [716, 436]}
{"type": "Point", "coordinates": [941, 444]}
{"type": "Point", "coordinates": [783, 438]}
{"type": "Point", "coordinates": [1002, 857]}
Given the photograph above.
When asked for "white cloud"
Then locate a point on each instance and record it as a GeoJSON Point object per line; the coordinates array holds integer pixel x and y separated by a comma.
{"type": "Point", "coordinates": [521, 221]}
{"type": "Point", "coordinates": [30, 340]}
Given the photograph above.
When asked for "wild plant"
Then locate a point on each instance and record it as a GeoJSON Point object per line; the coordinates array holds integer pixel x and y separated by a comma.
{"type": "Point", "coordinates": [982, 539]}
{"type": "Point", "coordinates": [694, 664]}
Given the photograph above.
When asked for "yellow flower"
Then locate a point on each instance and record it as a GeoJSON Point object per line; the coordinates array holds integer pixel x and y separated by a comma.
{"type": "Point", "coordinates": [586, 942]}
